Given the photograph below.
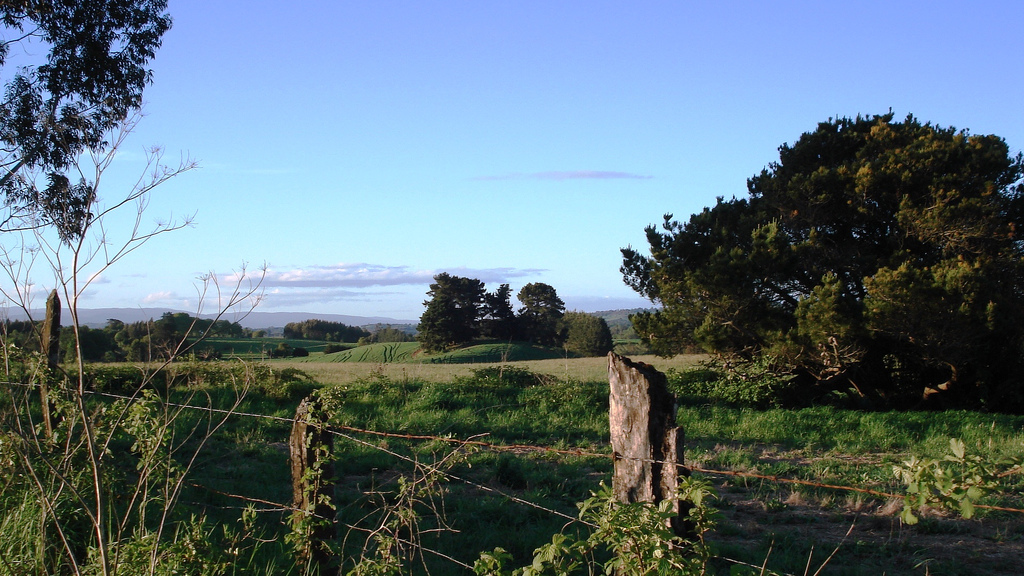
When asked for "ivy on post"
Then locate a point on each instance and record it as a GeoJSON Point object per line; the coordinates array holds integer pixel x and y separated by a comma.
{"type": "Point", "coordinates": [647, 444]}
{"type": "Point", "coordinates": [311, 446]}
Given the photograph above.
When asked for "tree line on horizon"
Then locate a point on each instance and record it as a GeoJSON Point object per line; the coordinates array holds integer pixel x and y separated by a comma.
{"type": "Point", "coordinates": [460, 310]}
{"type": "Point", "coordinates": [142, 341]}
{"type": "Point", "coordinates": [328, 331]}
{"type": "Point", "coordinates": [175, 333]}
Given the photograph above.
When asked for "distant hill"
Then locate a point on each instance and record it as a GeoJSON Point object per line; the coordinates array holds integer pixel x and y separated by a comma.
{"type": "Point", "coordinates": [617, 316]}
{"type": "Point", "coordinates": [97, 317]}
{"type": "Point", "coordinates": [267, 319]}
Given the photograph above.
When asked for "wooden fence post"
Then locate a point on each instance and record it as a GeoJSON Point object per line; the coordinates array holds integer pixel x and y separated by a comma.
{"type": "Point", "coordinates": [648, 445]}
{"type": "Point", "coordinates": [50, 347]}
{"type": "Point", "coordinates": [311, 446]}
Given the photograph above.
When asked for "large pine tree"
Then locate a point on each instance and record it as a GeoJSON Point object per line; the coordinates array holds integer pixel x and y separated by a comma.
{"type": "Point", "coordinates": [452, 314]}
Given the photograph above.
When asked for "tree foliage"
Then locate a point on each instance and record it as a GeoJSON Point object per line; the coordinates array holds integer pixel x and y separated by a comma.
{"type": "Point", "coordinates": [539, 318]}
{"type": "Point", "coordinates": [382, 333]}
{"type": "Point", "coordinates": [90, 80]}
{"type": "Point", "coordinates": [876, 256]}
{"type": "Point", "coordinates": [460, 310]}
{"type": "Point", "coordinates": [499, 319]}
{"type": "Point", "coordinates": [316, 329]}
{"type": "Point", "coordinates": [585, 334]}
{"type": "Point", "coordinates": [452, 313]}
{"type": "Point", "coordinates": [135, 341]}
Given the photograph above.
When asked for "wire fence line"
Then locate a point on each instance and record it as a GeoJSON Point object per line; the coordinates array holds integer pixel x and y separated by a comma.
{"type": "Point", "coordinates": [340, 431]}
{"type": "Point", "coordinates": [350, 433]}
{"type": "Point", "coordinates": [280, 507]}
{"type": "Point", "coordinates": [336, 430]}
{"type": "Point", "coordinates": [330, 430]}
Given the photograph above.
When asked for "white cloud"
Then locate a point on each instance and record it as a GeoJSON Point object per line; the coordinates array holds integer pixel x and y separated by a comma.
{"type": "Point", "coordinates": [364, 286]}
{"type": "Point", "coordinates": [287, 299]}
{"type": "Point", "coordinates": [157, 297]}
{"type": "Point", "coordinates": [98, 278]}
{"type": "Point", "coordinates": [363, 275]}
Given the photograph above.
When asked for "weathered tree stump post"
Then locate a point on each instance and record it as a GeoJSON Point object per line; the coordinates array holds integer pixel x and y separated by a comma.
{"type": "Point", "coordinates": [312, 483]}
{"type": "Point", "coordinates": [50, 347]}
{"type": "Point", "coordinates": [648, 445]}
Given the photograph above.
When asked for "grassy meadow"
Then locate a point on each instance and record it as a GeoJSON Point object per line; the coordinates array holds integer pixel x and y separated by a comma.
{"type": "Point", "coordinates": [327, 370]}
{"type": "Point", "coordinates": [562, 403]}
{"type": "Point", "coordinates": [540, 445]}
{"type": "Point", "coordinates": [257, 348]}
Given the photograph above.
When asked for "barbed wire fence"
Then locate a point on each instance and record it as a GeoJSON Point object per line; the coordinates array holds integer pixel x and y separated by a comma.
{"type": "Point", "coordinates": [357, 436]}
{"type": "Point", "coordinates": [351, 434]}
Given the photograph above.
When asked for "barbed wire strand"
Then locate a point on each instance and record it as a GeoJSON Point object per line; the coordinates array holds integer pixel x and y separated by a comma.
{"type": "Point", "coordinates": [461, 479]}
{"type": "Point", "coordinates": [334, 429]}
{"type": "Point", "coordinates": [279, 507]}
{"type": "Point", "coordinates": [328, 428]}
{"type": "Point", "coordinates": [713, 472]}
{"type": "Point", "coordinates": [528, 447]}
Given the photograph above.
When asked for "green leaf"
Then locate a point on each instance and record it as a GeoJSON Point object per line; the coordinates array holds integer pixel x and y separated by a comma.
{"type": "Point", "coordinates": [958, 448]}
{"type": "Point", "coordinates": [908, 516]}
{"type": "Point", "coordinates": [966, 508]}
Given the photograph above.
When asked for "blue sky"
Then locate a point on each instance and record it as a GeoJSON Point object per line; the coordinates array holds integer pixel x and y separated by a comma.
{"type": "Point", "coordinates": [359, 148]}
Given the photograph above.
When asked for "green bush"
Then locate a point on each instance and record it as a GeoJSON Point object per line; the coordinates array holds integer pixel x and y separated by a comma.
{"type": "Point", "coordinates": [756, 383]}
{"type": "Point", "coordinates": [288, 385]}
{"type": "Point", "coordinates": [507, 376]}
{"type": "Point", "coordinates": [119, 378]}
{"type": "Point", "coordinates": [586, 334]}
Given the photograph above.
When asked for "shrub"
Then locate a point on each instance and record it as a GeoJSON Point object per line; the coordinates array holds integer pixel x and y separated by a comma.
{"type": "Point", "coordinates": [508, 376]}
{"type": "Point", "coordinates": [756, 383]}
{"type": "Point", "coordinates": [283, 350]}
{"type": "Point", "coordinates": [586, 334]}
{"type": "Point", "coordinates": [287, 385]}
{"type": "Point", "coordinates": [116, 378]}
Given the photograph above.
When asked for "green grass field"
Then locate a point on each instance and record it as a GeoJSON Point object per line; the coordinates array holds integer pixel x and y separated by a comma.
{"type": "Point", "coordinates": [481, 352]}
{"type": "Point", "coordinates": [567, 408]}
{"type": "Point", "coordinates": [384, 353]}
{"type": "Point", "coordinates": [562, 403]}
{"type": "Point", "coordinates": [253, 348]}
{"type": "Point", "coordinates": [321, 369]}
{"type": "Point", "coordinates": [409, 352]}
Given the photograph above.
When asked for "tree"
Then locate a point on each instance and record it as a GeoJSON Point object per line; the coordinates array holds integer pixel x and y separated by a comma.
{"type": "Point", "coordinates": [316, 329]}
{"type": "Point", "coordinates": [875, 256]}
{"type": "Point", "coordinates": [586, 334]}
{"type": "Point", "coordinates": [539, 317]}
{"type": "Point", "coordinates": [452, 315]}
{"type": "Point", "coordinates": [91, 80]}
{"type": "Point", "coordinates": [95, 345]}
{"type": "Point", "coordinates": [382, 333]}
{"type": "Point", "coordinates": [499, 319]}
{"type": "Point", "coordinates": [92, 518]}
